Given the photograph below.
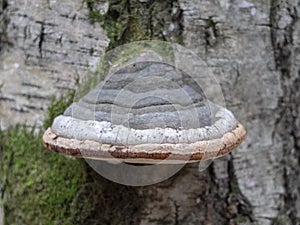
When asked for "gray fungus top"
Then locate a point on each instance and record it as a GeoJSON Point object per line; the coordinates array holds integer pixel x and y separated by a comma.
{"type": "Point", "coordinates": [147, 102]}
{"type": "Point", "coordinates": [145, 105]}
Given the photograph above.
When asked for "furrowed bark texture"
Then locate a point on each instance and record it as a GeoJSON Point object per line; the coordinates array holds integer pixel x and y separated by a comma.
{"type": "Point", "coordinates": [45, 47]}
{"type": "Point", "coordinates": [253, 48]}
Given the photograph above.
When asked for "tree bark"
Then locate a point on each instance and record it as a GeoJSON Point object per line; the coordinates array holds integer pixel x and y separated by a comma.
{"type": "Point", "coordinates": [253, 48]}
{"type": "Point", "coordinates": [44, 48]}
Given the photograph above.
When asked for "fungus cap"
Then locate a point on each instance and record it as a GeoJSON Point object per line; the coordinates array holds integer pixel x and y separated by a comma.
{"type": "Point", "coordinates": [145, 112]}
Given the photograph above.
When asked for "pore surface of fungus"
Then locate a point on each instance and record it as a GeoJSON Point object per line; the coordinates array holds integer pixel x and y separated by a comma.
{"type": "Point", "coordinates": [147, 111]}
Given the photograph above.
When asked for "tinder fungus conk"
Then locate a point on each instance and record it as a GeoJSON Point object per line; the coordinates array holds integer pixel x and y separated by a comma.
{"type": "Point", "coordinates": [144, 113]}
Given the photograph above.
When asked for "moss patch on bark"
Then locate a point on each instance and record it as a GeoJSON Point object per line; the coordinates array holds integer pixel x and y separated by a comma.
{"type": "Point", "coordinates": [132, 20]}
{"type": "Point", "coordinates": [42, 187]}
{"type": "Point", "coordinates": [38, 185]}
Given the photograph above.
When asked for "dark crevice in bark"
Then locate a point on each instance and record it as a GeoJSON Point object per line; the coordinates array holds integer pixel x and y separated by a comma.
{"type": "Point", "coordinates": [208, 197]}
{"type": "Point", "coordinates": [6, 99]}
{"type": "Point", "coordinates": [3, 25]}
{"type": "Point", "coordinates": [41, 40]}
{"type": "Point", "coordinates": [28, 84]}
{"type": "Point", "coordinates": [4, 4]}
{"type": "Point", "coordinates": [229, 205]}
{"type": "Point", "coordinates": [211, 32]}
{"type": "Point", "coordinates": [282, 38]}
{"type": "Point", "coordinates": [239, 206]}
{"type": "Point", "coordinates": [20, 110]}
{"type": "Point", "coordinates": [225, 204]}
{"type": "Point", "coordinates": [176, 213]}
{"type": "Point", "coordinates": [288, 110]}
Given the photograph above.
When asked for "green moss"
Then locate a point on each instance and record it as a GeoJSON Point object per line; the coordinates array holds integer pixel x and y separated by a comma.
{"type": "Point", "coordinates": [235, 190]}
{"type": "Point", "coordinates": [282, 220]}
{"type": "Point", "coordinates": [87, 84]}
{"type": "Point", "coordinates": [43, 187]}
{"type": "Point", "coordinates": [114, 21]}
{"type": "Point", "coordinates": [39, 185]}
{"type": "Point", "coordinates": [239, 219]}
{"type": "Point", "coordinates": [131, 20]}
{"type": "Point", "coordinates": [57, 107]}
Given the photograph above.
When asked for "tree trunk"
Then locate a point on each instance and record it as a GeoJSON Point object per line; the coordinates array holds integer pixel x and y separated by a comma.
{"type": "Point", "coordinates": [253, 48]}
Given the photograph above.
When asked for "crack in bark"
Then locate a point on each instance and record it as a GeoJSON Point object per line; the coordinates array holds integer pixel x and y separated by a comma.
{"type": "Point", "coordinates": [176, 213]}
{"type": "Point", "coordinates": [41, 39]}
{"type": "Point", "coordinates": [286, 124]}
{"type": "Point", "coordinates": [235, 196]}
{"type": "Point", "coordinates": [3, 25]}
{"type": "Point", "coordinates": [4, 5]}
{"type": "Point", "coordinates": [28, 84]}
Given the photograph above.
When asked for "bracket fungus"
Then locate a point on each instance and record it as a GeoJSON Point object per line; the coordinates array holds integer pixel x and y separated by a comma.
{"type": "Point", "coordinates": [146, 112]}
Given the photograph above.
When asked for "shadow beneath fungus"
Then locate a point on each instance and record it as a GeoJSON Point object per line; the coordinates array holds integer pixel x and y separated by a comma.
{"type": "Point", "coordinates": [96, 198]}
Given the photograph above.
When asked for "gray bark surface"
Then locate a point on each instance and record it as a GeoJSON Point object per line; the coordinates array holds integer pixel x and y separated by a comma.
{"type": "Point", "coordinates": [45, 46]}
{"type": "Point", "coordinates": [253, 48]}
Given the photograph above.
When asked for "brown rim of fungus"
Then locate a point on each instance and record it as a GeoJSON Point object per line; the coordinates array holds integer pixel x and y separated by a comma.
{"type": "Point", "coordinates": [165, 153]}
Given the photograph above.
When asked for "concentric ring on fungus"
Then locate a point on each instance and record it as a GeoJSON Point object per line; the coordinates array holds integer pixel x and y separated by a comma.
{"type": "Point", "coordinates": [146, 112]}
